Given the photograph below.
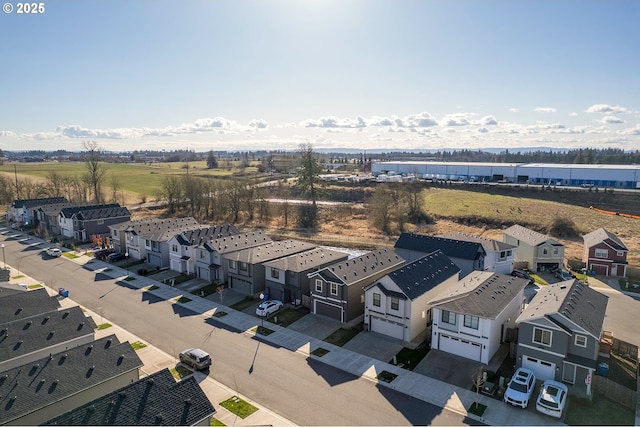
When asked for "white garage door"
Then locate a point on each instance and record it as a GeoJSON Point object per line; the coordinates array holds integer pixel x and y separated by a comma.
{"type": "Point", "coordinates": [542, 369]}
{"type": "Point", "coordinates": [469, 349]}
{"type": "Point", "coordinates": [382, 326]}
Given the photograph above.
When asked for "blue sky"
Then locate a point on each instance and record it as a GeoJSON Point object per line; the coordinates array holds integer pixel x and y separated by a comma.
{"type": "Point", "coordinates": [270, 74]}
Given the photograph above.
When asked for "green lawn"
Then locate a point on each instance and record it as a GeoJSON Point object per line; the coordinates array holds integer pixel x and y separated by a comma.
{"type": "Point", "coordinates": [244, 304]}
{"type": "Point", "coordinates": [286, 317]}
{"type": "Point", "coordinates": [602, 411]}
{"type": "Point", "coordinates": [69, 255]}
{"type": "Point", "coordinates": [342, 336]}
{"type": "Point", "coordinates": [386, 376]}
{"type": "Point", "coordinates": [137, 345]}
{"type": "Point", "coordinates": [216, 422]}
{"type": "Point", "coordinates": [320, 352]}
{"type": "Point", "coordinates": [182, 300]}
{"type": "Point", "coordinates": [238, 407]}
{"type": "Point", "coordinates": [180, 371]}
{"type": "Point", "coordinates": [104, 326]}
{"type": "Point", "coordinates": [410, 358]}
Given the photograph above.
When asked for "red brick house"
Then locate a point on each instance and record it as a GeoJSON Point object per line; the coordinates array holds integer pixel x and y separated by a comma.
{"type": "Point", "coordinates": [604, 254]}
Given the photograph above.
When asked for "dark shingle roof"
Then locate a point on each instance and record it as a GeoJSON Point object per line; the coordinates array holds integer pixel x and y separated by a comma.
{"type": "Point", "coordinates": [62, 375]}
{"type": "Point", "coordinates": [268, 252]}
{"type": "Point", "coordinates": [26, 304]}
{"type": "Point", "coordinates": [571, 299]}
{"type": "Point", "coordinates": [103, 213]}
{"type": "Point", "coordinates": [205, 234]}
{"type": "Point", "coordinates": [55, 208]}
{"type": "Point", "coordinates": [306, 260]}
{"type": "Point", "coordinates": [24, 336]}
{"type": "Point", "coordinates": [489, 245]}
{"type": "Point", "coordinates": [68, 212]}
{"type": "Point", "coordinates": [423, 274]}
{"type": "Point", "coordinates": [450, 247]}
{"type": "Point", "coordinates": [29, 203]}
{"type": "Point", "coordinates": [356, 269]}
{"type": "Point", "coordinates": [483, 294]}
{"type": "Point", "coordinates": [153, 400]}
{"type": "Point", "coordinates": [533, 238]}
{"type": "Point", "coordinates": [602, 235]}
{"type": "Point", "coordinates": [237, 242]}
{"type": "Point", "coordinates": [158, 230]}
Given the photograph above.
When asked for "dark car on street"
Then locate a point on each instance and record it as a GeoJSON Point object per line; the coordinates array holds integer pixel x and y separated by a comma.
{"type": "Point", "coordinates": [116, 257]}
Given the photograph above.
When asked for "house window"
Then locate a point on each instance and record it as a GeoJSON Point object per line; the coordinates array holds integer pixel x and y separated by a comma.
{"type": "Point", "coordinates": [275, 273]}
{"type": "Point", "coordinates": [318, 285]}
{"type": "Point", "coordinates": [100, 222]}
{"type": "Point", "coordinates": [556, 251]}
{"type": "Point", "coordinates": [581, 341]}
{"type": "Point", "coordinates": [334, 289]}
{"type": "Point", "coordinates": [449, 317]}
{"type": "Point", "coordinates": [244, 266]}
{"type": "Point", "coordinates": [620, 253]}
{"type": "Point", "coordinates": [545, 251]}
{"type": "Point", "coordinates": [602, 253]}
{"type": "Point", "coordinates": [201, 253]}
{"type": "Point", "coordinates": [174, 248]}
{"type": "Point", "coordinates": [115, 233]}
{"type": "Point", "coordinates": [471, 321]}
{"type": "Point", "coordinates": [147, 243]}
{"type": "Point", "coordinates": [505, 254]}
{"type": "Point", "coordinates": [395, 303]}
{"type": "Point", "coordinates": [376, 300]}
{"type": "Point", "coordinates": [542, 336]}
{"type": "Point", "coordinates": [233, 264]}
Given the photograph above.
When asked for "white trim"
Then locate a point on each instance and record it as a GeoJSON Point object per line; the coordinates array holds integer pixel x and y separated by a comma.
{"type": "Point", "coordinates": [542, 350]}
{"type": "Point", "coordinates": [533, 337]}
{"type": "Point", "coordinates": [575, 340]}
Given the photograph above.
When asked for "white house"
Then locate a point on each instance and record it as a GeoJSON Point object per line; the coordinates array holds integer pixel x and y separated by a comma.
{"type": "Point", "coordinates": [499, 255]}
{"type": "Point", "coordinates": [397, 304]}
{"type": "Point", "coordinates": [539, 251]}
{"type": "Point", "coordinates": [472, 320]}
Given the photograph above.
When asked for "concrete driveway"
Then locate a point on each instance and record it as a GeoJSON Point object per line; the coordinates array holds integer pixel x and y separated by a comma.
{"type": "Point", "coordinates": [315, 326]}
{"type": "Point", "coordinates": [372, 344]}
{"type": "Point", "coordinates": [448, 367]}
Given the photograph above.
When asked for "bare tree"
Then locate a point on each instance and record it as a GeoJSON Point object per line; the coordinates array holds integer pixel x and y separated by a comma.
{"type": "Point", "coordinates": [479, 377]}
{"type": "Point", "coordinates": [55, 184]}
{"type": "Point", "coordinates": [95, 169]}
{"type": "Point", "coordinates": [171, 191]}
{"type": "Point", "coordinates": [115, 188]}
{"type": "Point", "coordinates": [381, 208]}
{"type": "Point", "coordinates": [309, 183]}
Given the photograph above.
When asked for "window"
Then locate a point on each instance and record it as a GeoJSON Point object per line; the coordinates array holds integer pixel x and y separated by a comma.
{"type": "Point", "coordinates": [602, 253]}
{"type": "Point", "coordinates": [201, 253]}
{"type": "Point", "coordinates": [334, 289]}
{"type": "Point", "coordinates": [542, 336]}
{"type": "Point", "coordinates": [620, 253]}
{"type": "Point", "coordinates": [115, 233]}
{"type": "Point", "coordinates": [275, 273]}
{"type": "Point", "coordinates": [243, 266]}
{"type": "Point", "coordinates": [505, 254]}
{"type": "Point", "coordinates": [395, 303]}
{"type": "Point", "coordinates": [292, 274]}
{"type": "Point", "coordinates": [318, 285]}
{"type": "Point", "coordinates": [100, 222]}
{"type": "Point", "coordinates": [545, 251]}
{"type": "Point", "coordinates": [147, 243]}
{"type": "Point", "coordinates": [233, 264]}
{"type": "Point", "coordinates": [174, 248]}
{"type": "Point", "coordinates": [449, 317]}
{"type": "Point", "coordinates": [471, 321]}
{"type": "Point", "coordinates": [556, 251]}
{"type": "Point", "coordinates": [581, 341]}
{"type": "Point", "coordinates": [376, 300]}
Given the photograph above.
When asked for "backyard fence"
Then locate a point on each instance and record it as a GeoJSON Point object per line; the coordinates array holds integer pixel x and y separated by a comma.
{"type": "Point", "coordinates": [614, 391]}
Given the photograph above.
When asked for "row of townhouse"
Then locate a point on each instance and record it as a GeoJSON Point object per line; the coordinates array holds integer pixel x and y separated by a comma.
{"type": "Point", "coordinates": [53, 371]}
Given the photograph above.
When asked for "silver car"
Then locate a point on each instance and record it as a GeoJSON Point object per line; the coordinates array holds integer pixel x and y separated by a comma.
{"type": "Point", "coordinates": [196, 358]}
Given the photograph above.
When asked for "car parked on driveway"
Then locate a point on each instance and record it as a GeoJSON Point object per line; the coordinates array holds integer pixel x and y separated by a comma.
{"type": "Point", "coordinates": [196, 358]}
{"type": "Point", "coordinates": [552, 398]}
{"type": "Point", "coordinates": [54, 252]}
{"type": "Point", "coordinates": [563, 275]}
{"type": "Point", "coordinates": [520, 388]}
{"type": "Point", "coordinates": [267, 308]}
{"type": "Point", "coordinates": [116, 257]}
{"type": "Point", "coordinates": [523, 274]}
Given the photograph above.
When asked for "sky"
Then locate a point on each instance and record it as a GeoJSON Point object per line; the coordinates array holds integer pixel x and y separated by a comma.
{"type": "Point", "coordinates": [358, 74]}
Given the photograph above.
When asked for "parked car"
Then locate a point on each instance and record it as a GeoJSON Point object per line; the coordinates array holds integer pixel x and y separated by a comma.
{"type": "Point", "coordinates": [102, 253]}
{"type": "Point", "coordinates": [520, 388]}
{"type": "Point", "coordinates": [54, 252]}
{"type": "Point", "coordinates": [116, 257]}
{"type": "Point", "coordinates": [523, 274]}
{"type": "Point", "coordinates": [267, 308]}
{"type": "Point", "coordinates": [552, 398]}
{"type": "Point", "coordinates": [563, 274]}
{"type": "Point", "coordinates": [196, 358]}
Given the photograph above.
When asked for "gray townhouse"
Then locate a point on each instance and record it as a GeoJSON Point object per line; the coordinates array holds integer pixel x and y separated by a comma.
{"type": "Point", "coordinates": [286, 279]}
{"type": "Point", "coordinates": [468, 255]}
{"type": "Point", "coordinates": [90, 224]}
{"type": "Point", "coordinates": [210, 263]}
{"type": "Point", "coordinates": [22, 211]}
{"type": "Point", "coordinates": [183, 245]}
{"type": "Point", "coordinates": [67, 220]}
{"type": "Point", "coordinates": [499, 257]}
{"type": "Point", "coordinates": [246, 270]}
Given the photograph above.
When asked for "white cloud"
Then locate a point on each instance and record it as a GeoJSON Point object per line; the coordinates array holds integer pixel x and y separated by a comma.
{"type": "Point", "coordinates": [573, 114]}
{"type": "Point", "coordinates": [77, 131]}
{"type": "Point", "coordinates": [423, 119]}
{"type": "Point", "coordinates": [514, 110]}
{"type": "Point", "coordinates": [606, 108]}
{"type": "Point", "coordinates": [258, 124]}
{"type": "Point", "coordinates": [635, 130]}
{"type": "Point", "coordinates": [545, 110]}
{"type": "Point", "coordinates": [6, 133]}
{"type": "Point", "coordinates": [483, 130]}
{"type": "Point", "coordinates": [612, 120]}
{"type": "Point", "coordinates": [489, 121]}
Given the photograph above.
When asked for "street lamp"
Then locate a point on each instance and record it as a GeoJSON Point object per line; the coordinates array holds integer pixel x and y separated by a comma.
{"type": "Point", "coordinates": [4, 260]}
{"type": "Point", "coordinates": [262, 299]}
{"type": "Point", "coordinates": [126, 255]}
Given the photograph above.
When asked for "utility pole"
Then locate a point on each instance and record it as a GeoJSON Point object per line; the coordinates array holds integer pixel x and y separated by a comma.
{"type": "Point", "coordinates": [15, 173]}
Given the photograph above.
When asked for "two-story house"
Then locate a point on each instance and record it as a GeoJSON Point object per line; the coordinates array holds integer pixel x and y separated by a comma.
{"type": "Point", "coordinates": [560, 330]}
{"type": "Point", "coordinates": [67, 218]}
{"type": "Point", "coordinates": [540, 252]}
{"type": "Point", "coordinates": [183, 245]}
{"type": "Point", "coordinates": [604, 253]}
{"type": "Point", "coordinates": [22, 211]}
{"type": "Point", "coordinates": [397, 305]}
{"type": "Point", "coordinates": [499, 255]}
{"type": "Point", "coordinates": [46, 217]}
{"type": "Point", "coordinates": [337, 291]}
{"type": "Point", "coordinates": [472, 319]}
{"type": "Point", "coordinates": [287, 278]}
{"type": "Point", "coordinates": [246, 270]}
{"type": "Point", "coordinates": [210, 264]}
{"type": "Point", "coordinates": [469, 256]}
{"type": "Point", "coordinates": [94, 222]}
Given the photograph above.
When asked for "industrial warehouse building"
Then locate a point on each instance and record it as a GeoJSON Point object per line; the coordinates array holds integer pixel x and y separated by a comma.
{"type": "Point", "coordinates": [614, 176]}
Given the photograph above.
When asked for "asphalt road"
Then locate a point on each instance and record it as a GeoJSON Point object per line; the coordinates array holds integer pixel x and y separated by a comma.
{"type": "Point", "coordinates": [303, 390]}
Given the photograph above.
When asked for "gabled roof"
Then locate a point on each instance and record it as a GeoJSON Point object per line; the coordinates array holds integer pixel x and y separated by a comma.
{"type": "Point", "coordinates": [482, 293]}
{"type": "Point", "coordinates": [423, 274]}
{"type": "Point", "coordinates": [158, 230]}
{"type": "Point", "coordinates": [68, 212]}
{"type": "Point", "coordinates": [153, 400]}
{"type": "Point", "coordinates": [356, 269]}
{"type": "Point", "coordinates": [271, 251]}
{"type": "Point", "coordinates": [26, 335]}
{"type": "Point", "coordinates": [572, 300]}
{"type": "Point", "coordinates": [450, 247]}
{"type": "Point", "coordinates": [54, 209]}
{"type": "Point", "coordinates": [307, 260]}
{"type": "Point", "coordinates": [29, 203]}
{"type": "Point", "coordinates": [103, 213]}
{"type": "Point", "coordinates": [532, 238]}
{"type": "Point", "coordinates": [41, 383]}
{"type": "Point", "coordinates": [200, 235]}
{"type": "Point", "coordinates": [237, 242]}
{"type": "Point", "coordinates": [489, 245]}
{"type": "Point", "coordinates": [602, 235]}
{"type": "Point", "coordinates": [20, 305]}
